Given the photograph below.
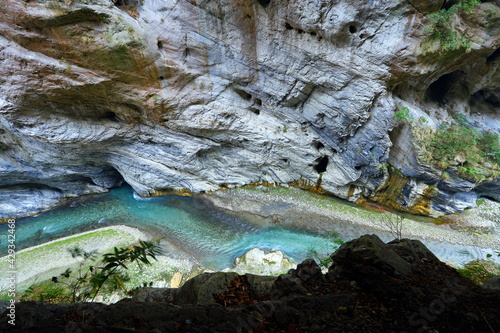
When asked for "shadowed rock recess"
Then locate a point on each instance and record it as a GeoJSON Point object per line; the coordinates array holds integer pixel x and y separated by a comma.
{"type": "Point", "coordinates": [370, 287]}
{"type": "Point", "coordinates": [195, 95]}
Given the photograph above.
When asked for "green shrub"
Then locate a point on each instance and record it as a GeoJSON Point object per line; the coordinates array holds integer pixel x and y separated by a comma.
{"type": "Point", "coordinates": [403, 115]}
{"type": "Point", "coordinates": [451, 141]}
{"type": "Point", "coordinates": [491, 147]}
{"type": "Point", "coordinates": [442, 28]}
{"type": "Point", "coordinates": [47, 292]}
{"type": "Point", "coordinates": [464, 145]}
{"type": "Point", "coordinates": [480, 270]}
{"type": "Point", "coordinates": [92, 277]}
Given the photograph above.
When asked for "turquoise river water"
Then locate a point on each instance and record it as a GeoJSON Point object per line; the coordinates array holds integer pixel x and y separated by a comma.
{"type": "Point", "coordinates": [212, 237]}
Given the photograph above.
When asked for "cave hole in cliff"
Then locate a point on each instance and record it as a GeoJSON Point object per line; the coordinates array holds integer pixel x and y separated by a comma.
{"type": "Point", "coordinates": [493, 56]}
{"type": "Point", "coordinates": [110, 115]}
{"type": "Point", "coordinates": [319, 145]}
{"type": "Point", "coordinates": [489, 97]}
{"type": "Point", "coordinates": [131, 3]}
{"type": "Point", "coordinates": [288, 26]}
{"type": "Point", "coordinates": [264, 3]}
{"type": "Point", "coordinates": [322, 164]}
{"type": "Point", "coordinates": [159, 44]}
{"type": "Point", "coordinates": [243, 94]}
{"type": "Point", "coordinates": [255, 110]}
{"type": "Point", "coordinates": [438, 89]}
{"type": "Point", "coordinates": [482, 196]}
{"type": "Point", "coordinates": [447, 4]}
{"type": "Point", "coordinates": [161, 78]}
{"type": "Point", "coordinates": [353, 29]}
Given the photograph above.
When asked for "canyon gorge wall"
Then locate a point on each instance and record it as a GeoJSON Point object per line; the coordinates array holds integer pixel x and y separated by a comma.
{"type": "Point", "coordinates": [198, 95]}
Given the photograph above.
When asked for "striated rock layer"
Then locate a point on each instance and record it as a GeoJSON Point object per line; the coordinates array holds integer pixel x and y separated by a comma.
{"type": "Point", "coordinates": [196, 95]}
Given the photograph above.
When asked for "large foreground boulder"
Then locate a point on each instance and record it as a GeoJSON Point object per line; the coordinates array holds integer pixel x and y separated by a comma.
{"type": "Point", "coordinates": [370, 287]}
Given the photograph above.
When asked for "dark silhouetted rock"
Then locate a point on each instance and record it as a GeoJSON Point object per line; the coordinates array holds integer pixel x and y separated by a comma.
{"type": "Point", "coordinates": [370, 287]}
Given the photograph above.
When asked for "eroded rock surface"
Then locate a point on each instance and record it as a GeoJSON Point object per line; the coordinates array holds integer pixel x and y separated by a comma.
{"type": "Point", "coordinates": [197, 95]}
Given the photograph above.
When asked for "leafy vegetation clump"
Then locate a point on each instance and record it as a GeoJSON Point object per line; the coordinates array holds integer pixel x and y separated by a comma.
{"type": "Point", "coordinates": [442, 28]}
{"type": "Point", "coordinates": [92, 276]}
{"type": "Point", "coordinates": [480, 270]}
{"type": "Point", "coordinates": [403, 115]}
{"type": "Point", "coordinates": [476, 155]}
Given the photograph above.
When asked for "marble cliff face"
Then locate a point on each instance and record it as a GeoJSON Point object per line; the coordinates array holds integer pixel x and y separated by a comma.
{"type": "Point", "coordinates": [197, 95]}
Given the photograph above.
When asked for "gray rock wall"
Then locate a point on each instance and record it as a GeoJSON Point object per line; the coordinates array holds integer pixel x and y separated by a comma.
{"type": "Point", "coordinates": [196, 95]}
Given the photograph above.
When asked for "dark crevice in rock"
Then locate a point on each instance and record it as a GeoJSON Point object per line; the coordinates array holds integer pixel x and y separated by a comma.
{"type": "Point", "coordinates": [488, 197]}
{"type": "Point", "coordinates": [264, 3]}
{"type": "Point", "coordinates": [301, 31]}
{"type": "Point", "coordinates": [120, 3]}
{"type": "Point", "coordinates": [111, 116]}
{"type": "Point", "coordinates": [438, 89]}
{"type": "Point", "coordinates": [322, 164]}
{"type": "Point", "coordinates": [489, 97]}
{"type": "Point", "coordinates": [133, 107]}
{"type": "Point", "coordinates": [243, 94]}
{"type": "Point", "coordinates": [494, 56]}
{"type": "Point", "coordinates": [159, 44]}
{"type": "Point", "coordinates": [254, 110]}
{"type": "Point", "coordinates": [353, 29]}
{"type": "Point", "coordinates": [319, 145]}
{"type": "Point", "coordinates": [85, 14]}
{"type": "Point", "coordinates": [448, 4]}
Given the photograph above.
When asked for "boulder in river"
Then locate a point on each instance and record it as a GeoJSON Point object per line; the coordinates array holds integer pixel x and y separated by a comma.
{"type": "Point", "coordinates": [260, 262]}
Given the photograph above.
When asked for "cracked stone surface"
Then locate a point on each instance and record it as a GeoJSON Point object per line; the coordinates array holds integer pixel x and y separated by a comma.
{"type": "Point", "coordinates": [196, 95]}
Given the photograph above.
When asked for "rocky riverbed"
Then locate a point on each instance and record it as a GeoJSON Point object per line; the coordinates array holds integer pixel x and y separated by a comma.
{"type": "Point", "coordinates": [465, 237]}
{"type": "Point", "coordinates": [477, 230]}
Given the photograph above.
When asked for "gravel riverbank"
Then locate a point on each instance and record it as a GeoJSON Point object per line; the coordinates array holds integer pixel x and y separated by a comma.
{"type": "Point", "coordinates": [39, 263]}
{"type": "Point", "coordinates": [304, 210]}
